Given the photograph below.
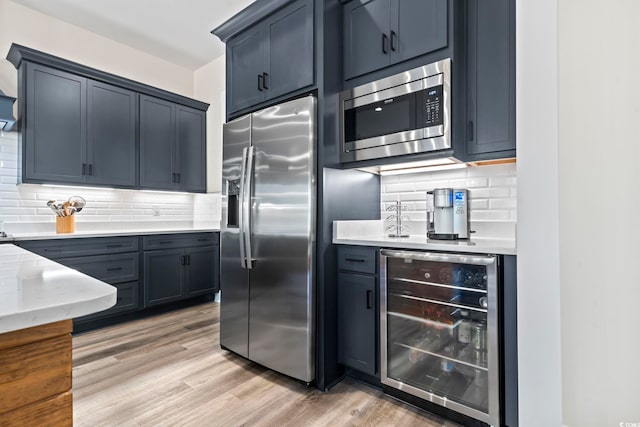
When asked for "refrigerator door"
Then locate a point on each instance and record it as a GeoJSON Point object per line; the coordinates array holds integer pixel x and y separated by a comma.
{"type": "Point", "coordinates": [281, 325]}
{"type": "Point", "coordinates": [234, 278]}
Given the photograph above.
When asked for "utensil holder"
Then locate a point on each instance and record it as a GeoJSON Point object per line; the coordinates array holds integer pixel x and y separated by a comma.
{"type": "Point", "coordinates": [65, 224]}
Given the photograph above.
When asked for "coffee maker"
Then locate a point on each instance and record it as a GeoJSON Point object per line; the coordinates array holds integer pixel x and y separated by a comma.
{"type": "Point", "coordinates": [450, 214]}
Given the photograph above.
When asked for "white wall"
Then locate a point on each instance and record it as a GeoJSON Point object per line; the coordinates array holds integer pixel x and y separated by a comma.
{"type": "Point", "coordinates": [599, 194]}
{"type": "Point", "coordinates": [539, 360]}
{"type": "Point", "coordinates": [209, 86]}
{"type": "Point", "coordinates": [33, 29]}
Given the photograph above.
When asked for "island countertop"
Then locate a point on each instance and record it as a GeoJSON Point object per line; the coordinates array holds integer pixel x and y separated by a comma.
{"type": "Point", "coordinates": [36, 291]}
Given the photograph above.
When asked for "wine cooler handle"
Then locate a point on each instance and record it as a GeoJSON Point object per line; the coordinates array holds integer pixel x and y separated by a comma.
{"type": "Point", "coordinates": [437, 257]}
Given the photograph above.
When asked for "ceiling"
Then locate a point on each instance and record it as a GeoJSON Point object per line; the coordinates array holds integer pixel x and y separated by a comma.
{"type": "Point", "coordinates": [175, 30]}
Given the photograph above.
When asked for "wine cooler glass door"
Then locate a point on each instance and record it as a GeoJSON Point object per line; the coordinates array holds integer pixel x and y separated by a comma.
{"type": "Point", "coordinates": [439, 329]}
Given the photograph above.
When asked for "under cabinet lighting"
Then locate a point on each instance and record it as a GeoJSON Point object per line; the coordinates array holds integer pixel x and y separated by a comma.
{"type": "Point", "coordinates": [422, 169]}
{"type": "Point", "coordinates": [431, 165]}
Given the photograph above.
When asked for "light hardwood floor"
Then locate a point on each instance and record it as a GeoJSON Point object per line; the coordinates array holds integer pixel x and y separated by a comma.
{"type": "Point", "coordinates": [169, 370]}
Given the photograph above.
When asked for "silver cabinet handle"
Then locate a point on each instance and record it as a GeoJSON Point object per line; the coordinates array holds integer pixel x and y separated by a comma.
{"type": "Point", "coordinates": [247, 234]}
{"type": "Point", "coordinates": [241, 225]}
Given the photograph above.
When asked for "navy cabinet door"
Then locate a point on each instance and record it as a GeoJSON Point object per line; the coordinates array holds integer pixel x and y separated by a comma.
{"type": "Point", "coordinates": [289, 50]}
{"type": "Point", "coordinates": [366, 36]}
{"type": "Point", "coordinates": [356, 322]}
{"type": "Point", "coordinates": [417, 27]}
{"type": "Point", "coordinates": [191, 149]}
{"type": "Point", "coordinates": [111, 135]}
{"type": "Point", "coordinates": [201, 270]}
{"type": "Point", "coordinates": [246, 63]}
{"type": "Point", "coordinates": [491, 105]}
{"type": "Point", "coordinates": [55, 133]}
{"type": "Point", "coordinates": [157, 143]}
{"type": "Point", "coordinates": [163, 276]}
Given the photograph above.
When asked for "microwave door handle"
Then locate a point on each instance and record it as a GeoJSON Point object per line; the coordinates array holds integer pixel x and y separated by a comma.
{"type": "Point", "coordinates": [247, 195]}
{"type": "Point", "coordinates": [241, 217]}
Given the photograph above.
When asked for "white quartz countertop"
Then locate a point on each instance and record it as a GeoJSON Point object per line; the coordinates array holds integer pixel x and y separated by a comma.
{"type": "Point", "coordinates": [36, 291]}
{"type": "Point", "coordinates": [370, 233]}
{"type": "Point", "coordinates": [107, 233]}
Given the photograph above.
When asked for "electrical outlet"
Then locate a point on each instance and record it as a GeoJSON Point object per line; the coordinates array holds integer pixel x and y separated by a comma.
{"type": "Point", "coordinates": [156, 210]}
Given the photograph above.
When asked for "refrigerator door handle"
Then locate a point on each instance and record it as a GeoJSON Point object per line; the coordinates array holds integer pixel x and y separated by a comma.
{"type": "Point", "coordinates": [247, 195]}
{"type": "Point", "coordinates": [241, 216]}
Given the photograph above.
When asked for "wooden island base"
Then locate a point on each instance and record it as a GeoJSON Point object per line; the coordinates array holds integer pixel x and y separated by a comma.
{"type": "Point", "coordinates": [35, 376]}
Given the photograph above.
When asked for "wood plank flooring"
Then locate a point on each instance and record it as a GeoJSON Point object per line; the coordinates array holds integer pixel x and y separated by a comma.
{"type": "Point", "coordinates": [169, 370]}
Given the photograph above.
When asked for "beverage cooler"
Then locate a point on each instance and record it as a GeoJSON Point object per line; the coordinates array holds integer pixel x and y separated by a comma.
{"type": "Point", "coordinates": [439, 330]}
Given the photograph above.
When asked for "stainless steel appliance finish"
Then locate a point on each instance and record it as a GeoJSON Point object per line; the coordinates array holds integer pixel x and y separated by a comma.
{"type": "Point", "coordinates": [451, 214]}
{"type": "Point", "coordinates": [268, 238]}
{"type": "Point", "coordinates": [406, 113]}
{"type": "Point", "coordinates": [425, 299]}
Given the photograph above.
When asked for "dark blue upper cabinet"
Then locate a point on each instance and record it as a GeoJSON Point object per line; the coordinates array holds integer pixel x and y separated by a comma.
{"type": "Point", "coordinates": [191, 149]}
{"type": "Point", "coordinates": [379, 33]}
{"type": "Point", "coordinates": [55, 135]}
{"type": "Point", "coordinates": [111, 126]}
{"type": "Point", "coordinates": [157, 143]}
{"type": "Point", "coordinates": [246, 61]}
{"type": "Point", "coordinates": [366, 36]}
{"type": "Point", "coordinates": [290, 50]}
{"type": "Point", "coordinates": [84, 126]}
{"type": "Point", "coordinates": [271, 58]}
{"type": "Point", "coordinates": [417, 27]}
{"type": "Point", "coordinates": [78, 131]}
{"type": "Point", "coordinates": [491, 104]}
{"type": "Point", "coordinates": [172, 146]}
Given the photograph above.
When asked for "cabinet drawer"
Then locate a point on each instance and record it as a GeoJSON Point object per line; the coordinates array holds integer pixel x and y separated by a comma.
{"type": "Point", "coordinates": [358, 259]}
{"type": "Point", "coordinates": [108, 268]}
{"type": "Point", "coordinates": [127, 300]}
{"type": "Point", "coordinates": [170, 241]}
{"type": "Point", "coordinates": [35, 371]}
{"type": "Point", "coordinates": [66, 248]}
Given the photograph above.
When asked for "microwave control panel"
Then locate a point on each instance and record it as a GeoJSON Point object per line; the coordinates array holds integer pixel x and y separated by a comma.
{"type": "Point", "coordinates": [432, 106]}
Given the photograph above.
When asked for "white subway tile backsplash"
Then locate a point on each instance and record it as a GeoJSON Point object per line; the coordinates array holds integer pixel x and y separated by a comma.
{"type": "Point", "coordinates": [8, 203]}
{"type": "Point", "coordinates": [415, 196]}
{"type": "Point", "coordinates": [469, 183]}
{"type": "Point", "coordinates": [426, 184]}
{"type": "Point", "coordinates": [492, 196]}
{"type": "Point", "coordinates": [26, 203]}
{"type": "Point", "coordinates": [502, 203]}
{"type": "Point", "coordinates": [493, 192]}
{"type": "Point", "coordinates": [510, 181]}
{"type": "Point", "coordinates": [490, 215]}
{"type": "Point", "coordinates": [478, 204]}
{"type": "Point", "coordinates": [508, 169]}
{"type": "Point", "coordinates": [389, 197]}
{"type": "Point", "coordinates": [8, 164]}
{"type": "Point", "coordinates": [400, 187]}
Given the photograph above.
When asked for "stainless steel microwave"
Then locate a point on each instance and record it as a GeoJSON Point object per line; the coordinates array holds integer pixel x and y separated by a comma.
{"type": "Point", "coordinates": [406, 113]}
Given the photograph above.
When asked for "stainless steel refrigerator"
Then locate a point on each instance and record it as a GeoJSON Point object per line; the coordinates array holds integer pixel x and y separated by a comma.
{"type": "Point", "coordinates": [267, 311]}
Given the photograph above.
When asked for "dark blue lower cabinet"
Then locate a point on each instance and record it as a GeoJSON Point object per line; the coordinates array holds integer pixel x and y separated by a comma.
{"type": "Point", "coordinates": [175, 274]}
{"type": "Point", "coordinates": [202, 271]}
{"type": "Point", "coordinates": [126, 301]}
{"type": "Point", "coordinates": [357, 334]}
{"type": "Point", "coordinates": [163, 276]}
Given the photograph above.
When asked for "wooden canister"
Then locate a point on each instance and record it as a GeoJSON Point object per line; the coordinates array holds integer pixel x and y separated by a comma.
{"type": "Point", "coordinates": [65, 224]}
